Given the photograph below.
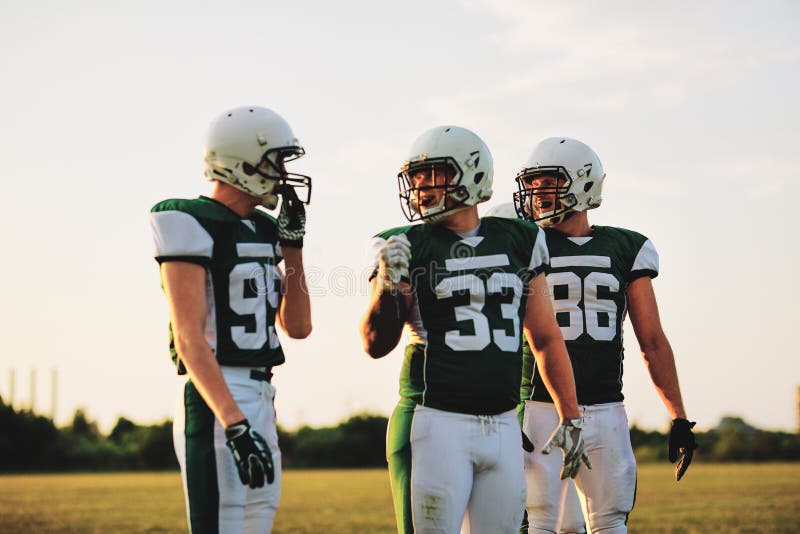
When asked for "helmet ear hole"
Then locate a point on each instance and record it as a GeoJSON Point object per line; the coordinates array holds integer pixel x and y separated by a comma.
{"type": "Point", "coordinates": [587, 186]}
{"type": "Point", "coordinates": [478, 177]}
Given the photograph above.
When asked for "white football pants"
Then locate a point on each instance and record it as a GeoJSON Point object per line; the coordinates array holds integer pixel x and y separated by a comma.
{"type": "Point", "coordinates": [572, 520]}
{"type": "Point", "coordinates": [609, 488]}
{"type": "Point", "coordinates": [216, 499]}
{"type": "Point", "coordinates": [471, 464]}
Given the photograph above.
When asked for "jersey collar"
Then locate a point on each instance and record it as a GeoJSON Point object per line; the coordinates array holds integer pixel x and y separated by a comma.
{"type": "Point", "coordinates": [224, 207]}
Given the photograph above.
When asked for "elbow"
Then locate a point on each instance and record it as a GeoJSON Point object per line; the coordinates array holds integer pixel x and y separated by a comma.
{"type": "Point", "coordinates": [647, 351]}
{"type": "Point", "coordinates": [374, 349]}
{"type": "Point", "coordinates": [375, 353]}
{"type": "Point", "coordinates": [377, 341]}
{"type": "Point", "coordinates": [186, 344]}
{"type": "Point", "coordinates": [543, 344]}
{"type": "Point", "coordinates": [653, 346]}
{"type": "Point", "coordinates": [301, 331]}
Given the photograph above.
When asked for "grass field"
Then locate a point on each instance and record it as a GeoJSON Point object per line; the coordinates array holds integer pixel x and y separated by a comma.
{"type": "Point", "coordinates": [712, 498]}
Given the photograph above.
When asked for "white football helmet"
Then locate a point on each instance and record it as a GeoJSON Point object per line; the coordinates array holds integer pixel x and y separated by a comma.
{"type": "Point", "coordinates": [461, 156]}
{"type": "Point", "coordinates": [579, 183]}
{"type": "Point", "coordinates": [247, 147]}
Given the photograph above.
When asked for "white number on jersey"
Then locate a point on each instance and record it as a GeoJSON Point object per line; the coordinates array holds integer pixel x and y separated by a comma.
{"type": "Point", "coordinates": [586, 319]}
{"type": "Point", "coordinates": [252, 287]}
{"type": "Point", "coordinates": [473, 311]}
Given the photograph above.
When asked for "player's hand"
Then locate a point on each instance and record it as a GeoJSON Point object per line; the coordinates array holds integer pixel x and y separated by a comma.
{"type": "Point", "coordinates": [568, 438]}
{"type": "Point", "coordinates": [527, 446]}
{"type": "Point", "coordinates": [393, 260]}
{"type": "Point", "coordinates": [681, 445]}
{"type": "Point", "coordinates": [251, 453]}
{"type": "Point", "coordinates": [291, 219]}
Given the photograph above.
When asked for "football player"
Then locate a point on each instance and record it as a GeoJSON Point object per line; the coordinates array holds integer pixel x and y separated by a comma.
{"type": "Point", "coordinates": [468, 288]}
{"type": "Point", "coordinates": [596, 274]}
{"type": "Point", "coordinates": [571, 517]}
{"type": "Point", "coordinates": [219, 258]}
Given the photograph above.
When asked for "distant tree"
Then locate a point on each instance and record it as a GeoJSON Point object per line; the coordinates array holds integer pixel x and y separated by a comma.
{"type": "Point", "coordinates": [286, 441]}
{"type": "Point", "coordinates": [26, 440]}
{"type": "Point", "coordinates": [154, 447]}
{"type": "Point", "coordinates": [122, 428]}
{"type": "Point", "coordinates": [732, 423]}
{"type": "Point", "coordinates": [29, 442]}
{"type": "Point", "coordinates": [366, 439]}
{"type": "Point", "coordinates": [356, 442]}
{"type": "Point", "coordinates": [648, 445]}
{"type": "Point", "coordinates": [83, 427]}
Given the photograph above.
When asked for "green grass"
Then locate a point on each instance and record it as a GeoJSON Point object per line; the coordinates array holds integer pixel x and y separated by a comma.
{"type": "Point", "coordinates": [739, 498]}
{"type": "Point", "coordinates": [718, 498]}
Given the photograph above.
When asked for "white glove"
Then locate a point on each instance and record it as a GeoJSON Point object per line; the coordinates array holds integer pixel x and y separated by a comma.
{"type": "Point", "coordinates": [393, 260]}
{"type": "Point", "coordinates": [568, 438]}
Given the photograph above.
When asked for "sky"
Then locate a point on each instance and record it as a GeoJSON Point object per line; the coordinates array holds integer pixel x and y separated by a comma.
{"type": "Point", "coordinates": [690, 106]}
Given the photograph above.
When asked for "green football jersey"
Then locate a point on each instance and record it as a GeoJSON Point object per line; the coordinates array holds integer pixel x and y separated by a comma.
{"type": "Point", "coordinates": [243, 284]}
{"type": "Point", "coordinates": [587, 278]}
{"type": "Point", "coordinates": [470, 293]}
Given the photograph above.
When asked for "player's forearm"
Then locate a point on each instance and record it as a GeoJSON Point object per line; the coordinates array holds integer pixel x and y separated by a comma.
{"type": "Point", "coordinates": [206, 375]}
{"type": "Point", "coordinates": [382, 325]}
{"type": "Point", "coordinates": [660, 363]}
{"type": "Point", "coordinates": [553, 360]}
{"type": "Point", "coordinates": [295, 311]}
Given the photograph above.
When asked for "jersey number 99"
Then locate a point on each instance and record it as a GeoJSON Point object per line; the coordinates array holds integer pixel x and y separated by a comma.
{"type": "Point", "coordinates": [252, 287]}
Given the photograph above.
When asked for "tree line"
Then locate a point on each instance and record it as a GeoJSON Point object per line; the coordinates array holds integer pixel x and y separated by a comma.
{"type": "Point", "coordinates": [32, 442]}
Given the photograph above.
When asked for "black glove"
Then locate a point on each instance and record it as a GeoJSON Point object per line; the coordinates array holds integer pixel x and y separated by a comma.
{"type": "Point", "coordinates": [527, 446]}
{"type": "Point", "coordinates": [681, 440]}
{"type": "Point", "coordinates": [291, 219]}
{"type": "Point", "coordinates": [251, 453]}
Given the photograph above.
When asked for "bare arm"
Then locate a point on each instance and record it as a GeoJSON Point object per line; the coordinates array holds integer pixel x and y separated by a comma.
{"type": "Point", "coordinates": [294, 314]}
{"type": "Point", "coordinates": [654, 345]}
{"type": "Point", "coordinates": [383, 323]}
{"type": "Point", "coordinates": [547, 343]}
{"type": "Point", "coordinates": [185, 286]}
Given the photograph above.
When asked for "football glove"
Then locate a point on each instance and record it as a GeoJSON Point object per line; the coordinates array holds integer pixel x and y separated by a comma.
{"type": "Point", "coordinates": [251, 453]}
{"type": "Point", "coordinates": [393, 261]}
{"type": "Point", "coordinates": [527, 446]}
{"type": "Point", "coordinates": [681, 445]}
{"type": "Point", "coordinates": [568, 438]}
{"type": "Point", "coordinates": [291, 219]}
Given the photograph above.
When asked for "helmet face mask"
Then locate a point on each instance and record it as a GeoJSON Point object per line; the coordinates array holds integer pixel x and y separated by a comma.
{"type": "Point", "coordinates": [562, 176]}
{"type": "Point", "coordinates": [430, 187]}
{"type": "Point", "coordinates": [448, 169]}
{"type": "Point", "coordinates": [552, 199]}
{"type": "Point", "coordinates": [247, 148]}
{"type": "Point", "coordinates": [272, 168]}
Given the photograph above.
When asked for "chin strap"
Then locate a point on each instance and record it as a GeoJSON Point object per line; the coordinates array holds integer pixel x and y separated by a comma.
{"type": "Point", "coordinates": [556, 219]}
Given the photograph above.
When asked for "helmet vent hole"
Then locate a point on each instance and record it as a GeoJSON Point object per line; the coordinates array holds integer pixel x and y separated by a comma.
{"type": "Point", "coordinates": [248, 169]}
{"type": "Point", "coordinates": [251, 111]}
{"type": "Point", "coordinates": [447, 129]}
{"type": "Point", "coordinates": [562, 142]}
{"type": "Point", "coordinates": [478, 177]}
{"type": "Point", "coordinates": [587, 186]}
{"type": "Point", "coordinates": [230, 114]}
